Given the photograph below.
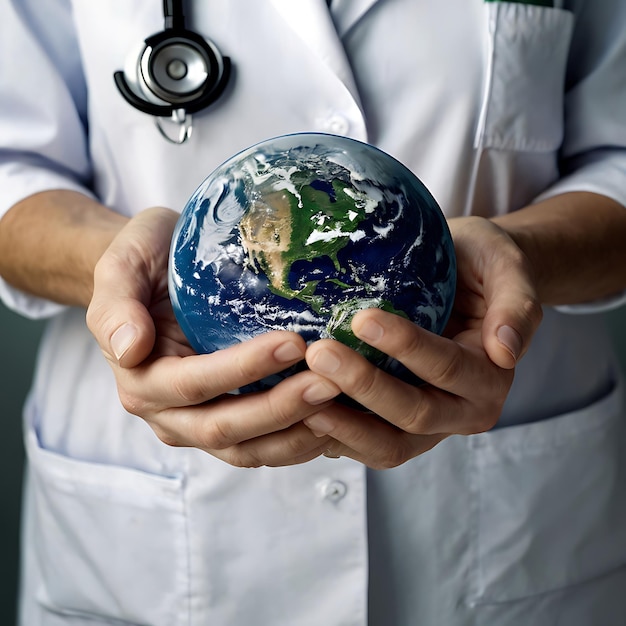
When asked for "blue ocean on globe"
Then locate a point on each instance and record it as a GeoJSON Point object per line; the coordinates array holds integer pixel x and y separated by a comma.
{"type": "Point", "coordinates": [299, 233]}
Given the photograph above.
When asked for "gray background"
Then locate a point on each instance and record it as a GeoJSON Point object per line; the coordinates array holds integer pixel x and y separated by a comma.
{"type": "Point", "coordinates": [18, 342]}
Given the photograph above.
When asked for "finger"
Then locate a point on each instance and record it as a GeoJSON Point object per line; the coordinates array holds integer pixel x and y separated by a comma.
{"type": "Point", "coordinates": [191, 380]}
{"type": "Point", "coordinates": [513, 308]}
{"type": "Point", "coordinates": [292, 446]}
{"type": "Point", "coordinates": [234, 419]}
{"type": "Point", "coordinates": [368, 439]}
{"type": "Point", "coordinates": [118, 314]}
{"type": "Point", "coordinates": [457, 366]}
{"type": "Point", "coordinates": [495, 287]}
{"type": "Point", "coordinates": [414, 410]}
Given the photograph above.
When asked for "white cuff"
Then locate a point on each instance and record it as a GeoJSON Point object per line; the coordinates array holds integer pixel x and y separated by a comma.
{"type": "Point", "coordinates": [597, 306]}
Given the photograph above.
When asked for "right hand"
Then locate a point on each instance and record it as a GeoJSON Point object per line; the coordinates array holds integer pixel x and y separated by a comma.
{"type": "Point", "coordinates": [184, 396]}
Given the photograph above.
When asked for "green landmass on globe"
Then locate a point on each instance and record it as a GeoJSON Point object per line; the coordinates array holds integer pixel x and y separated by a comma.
{"type": "Point", "coordinates": [281, 228]}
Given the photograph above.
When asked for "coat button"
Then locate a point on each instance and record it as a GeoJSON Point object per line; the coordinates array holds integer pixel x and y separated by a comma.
{"type": "Point", "coordinates": [333, 490]}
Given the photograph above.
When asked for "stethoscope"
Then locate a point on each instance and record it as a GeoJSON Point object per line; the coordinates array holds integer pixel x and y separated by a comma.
{"type": "Point", "coordinates": [177, 73]}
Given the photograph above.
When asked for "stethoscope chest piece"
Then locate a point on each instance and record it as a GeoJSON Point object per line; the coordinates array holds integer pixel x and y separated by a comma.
{"type": "Point", "coordinates": [176, 73]}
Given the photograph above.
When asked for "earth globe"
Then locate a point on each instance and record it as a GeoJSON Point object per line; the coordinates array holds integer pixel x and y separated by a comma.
{"type": "Point", "coordinates": [299, 233]}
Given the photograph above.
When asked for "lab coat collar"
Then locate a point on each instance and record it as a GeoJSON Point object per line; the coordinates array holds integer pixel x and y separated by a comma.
{"type": "Point", "coordinates": [312, 21]}
{"type": "Point", "coordinates": [346, 13]}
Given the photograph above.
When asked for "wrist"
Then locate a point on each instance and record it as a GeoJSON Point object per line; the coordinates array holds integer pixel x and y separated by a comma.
{"type": "Point", "coordinates": [574, 245]}
{"type": "Point", "coordinates": [51, 242]}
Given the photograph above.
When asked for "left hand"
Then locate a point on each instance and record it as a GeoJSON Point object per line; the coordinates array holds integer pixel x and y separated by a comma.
{"type": "Point", "coordinates": [184, 396]}
{"type": "Point", "coordinates": [468, 372]}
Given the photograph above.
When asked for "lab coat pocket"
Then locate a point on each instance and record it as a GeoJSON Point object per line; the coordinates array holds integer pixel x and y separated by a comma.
{"type": "Point", "coordinates": [111, 541]}
{"type": "Point", "coordinates": [523, 100]}
{"type": "Point", "coordinates": [550, 502]}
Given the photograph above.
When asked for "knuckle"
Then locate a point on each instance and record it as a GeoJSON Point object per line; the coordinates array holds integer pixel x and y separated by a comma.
{"type": "Point", "coordinates": [489, 417]}
{"type": "Point", "coordinates": [533, 311]}
{"type": "Point", "coordinates": [295, 447]}
{"type": "Point", "coordinates": [132, 403]}
{"type": "Point", "coordinates": [484, 422]}
{"type": "Point", "coordinates": [92, 316]}
{"type": "Point", "coordinates": [392, 457]}
{"type": "Point", "coordinates": [411, 345]}
{"type": "Point", "coordinates": [116, 259]}
{"type": "Point", "coordinates": [96, 317]}
{"type": "Point", "coordinates": [109, 268]}
{"type": "Point", "coordinates": [485, 416]}
{"type": "Point", "coordinates": [191, 394]}
{"type": "Point", "coordinates": [166, 437]}
{"type": "Point", "coordinates": [447, 372]}
{"type": "Point", "coordinates": [418, 422]}
{"type": "Point", "coordinates": [216, 436]}
{"type": "Point", "coordinates": [247, 369]}
{"type": "Point", "coordinates": [242, 458]}
{"type": "Point", "coordinates": [430, 411]}
{"type": "Point", "coordinates": [361, 382]}
{"type": "Point", "coordinates": [283, 413]}
{"type": "Point", "coordinates": [407, 449]}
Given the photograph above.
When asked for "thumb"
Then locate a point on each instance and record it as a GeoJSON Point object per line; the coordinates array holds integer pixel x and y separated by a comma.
{"type": "Point", "coordinates": [124, 278]}
{"type": "Point", "coordinates": [124, 330]}
{"type": "Point", "coordinates": [513, 309]}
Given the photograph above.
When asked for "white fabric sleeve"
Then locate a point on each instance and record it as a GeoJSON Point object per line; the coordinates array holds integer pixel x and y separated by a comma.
{"type": "Point", "coordinates": [593, 154]}
{"type": "Point", "coordinates": [43, 142]}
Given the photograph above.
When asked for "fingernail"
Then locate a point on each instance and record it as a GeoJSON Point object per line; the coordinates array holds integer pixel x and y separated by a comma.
{"type": "Point", "coordinates": [326, 362]}
{"type": "Point", "coordinates": [288, 352]}
{"type": "Point", "coordinates": [319, 392]}
{"type": "Point", "coordinates": [319, 425]}
{"type": "Point", "coordinates": [122, 339]}
{"type": "Point", "coordinates": [370, 331]}
{"type": "Point", "coordinates": [510, 339]}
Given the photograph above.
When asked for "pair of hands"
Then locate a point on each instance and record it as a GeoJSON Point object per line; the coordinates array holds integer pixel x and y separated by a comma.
{"type": "Point", "coordinates": [184, 396]}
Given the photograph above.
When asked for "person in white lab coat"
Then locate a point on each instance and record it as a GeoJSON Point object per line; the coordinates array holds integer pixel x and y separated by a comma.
{"type": "Point", "coordinates": [493, 495]}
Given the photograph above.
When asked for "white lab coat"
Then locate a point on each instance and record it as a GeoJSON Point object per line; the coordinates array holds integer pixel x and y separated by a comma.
{"type": "Point", "coordinates": [522, 525]}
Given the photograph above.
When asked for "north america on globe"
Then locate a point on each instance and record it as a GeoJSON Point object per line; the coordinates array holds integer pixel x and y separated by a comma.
{"type": "Point", "coordinates": [299, 233]}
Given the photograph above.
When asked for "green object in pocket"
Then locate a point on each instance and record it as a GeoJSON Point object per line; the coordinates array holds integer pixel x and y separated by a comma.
{"type": "Point", "coordinates": [539, 3]}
